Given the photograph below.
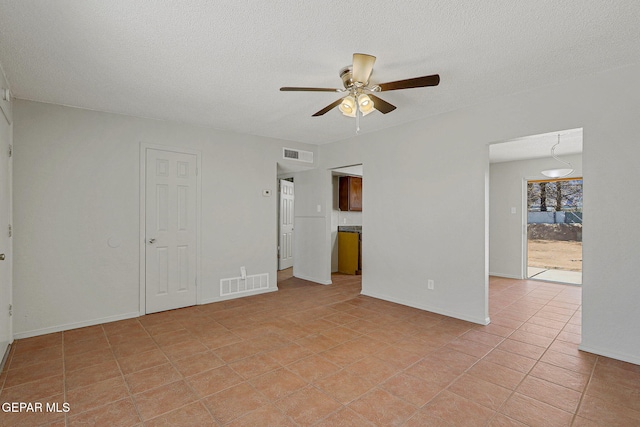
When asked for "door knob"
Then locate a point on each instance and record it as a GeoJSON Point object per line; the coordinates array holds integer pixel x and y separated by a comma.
{"type": "Point", "coordinates": [1, 257]}
{"type": "Point", "coordinates": [152, 241]}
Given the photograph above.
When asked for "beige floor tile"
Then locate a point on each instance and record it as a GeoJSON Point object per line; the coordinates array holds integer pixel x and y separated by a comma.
{"type": "Point", "coordinates": [328, 355]}
{"type": "Point", "coordinates": [382, 408]}
{"type": "Point", "coordinates": [308, 406]}
{"type": "Point", "coordinates": [121, 413]}
{"type": "Point", "coordinates": [459, 411]}
{"type": "Point", "coordinates": [234, 402]}
{"type": "Point", "coordinates": [163, 399]}
{"type": "Point", "coordinates": [156, 376]}
{"type": "Point", "coordinates": [535, 413]}
{"type": "Point", "coordinates": [482, 392]}
{"type": "Point", "coordinates": [344, 386]}
{"type": "Point", "coordinates": [278, 384]}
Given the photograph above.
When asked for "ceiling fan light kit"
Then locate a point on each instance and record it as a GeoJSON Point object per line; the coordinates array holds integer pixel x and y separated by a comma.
{"type": "Point", "coordinates": [348, 106]}
{"type": "Point", "coordinates": [360, 98]}
{"type": "Point", "coordinates": [365, 104]}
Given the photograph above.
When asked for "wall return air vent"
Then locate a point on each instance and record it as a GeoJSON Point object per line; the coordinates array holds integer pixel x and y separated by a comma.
{"type": "Point", "coordinates": [298, 155]}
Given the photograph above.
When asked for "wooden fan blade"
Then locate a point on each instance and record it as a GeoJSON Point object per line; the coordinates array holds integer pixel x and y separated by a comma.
{"type": "Point", "coordinates": [328, 108]}
{"type": "Point", "coordinates": [362, 67]}
{"type": "Point", "coordinates": [432, 80]}
{"type": "Point", "coordinates": [308, 89]}
{"type": "Point", "coordinates": [381, 105]}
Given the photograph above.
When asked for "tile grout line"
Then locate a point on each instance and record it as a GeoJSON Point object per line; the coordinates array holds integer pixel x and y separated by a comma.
{"type": "Point", "coordinates": [182, 378]}
{"type": "Point", "coordinates": [133, 401]}
{"type": "Point", "coordinates": [497, 411]}
{"type": "Point", "coordinates": [584, 392]}
{"type": "Point", "coordinates": [199, 399]}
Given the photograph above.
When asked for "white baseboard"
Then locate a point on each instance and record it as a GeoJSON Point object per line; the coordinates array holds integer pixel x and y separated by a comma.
{"type": "Point", "coordinates": [313, 279]}
{"type": "Point", "coordinates": [75, 325]}
{"type": "Point", "coordinates": [611, 354]}
{"type": "Point", "coordinates": [5, 355]}
{"type": "Point", "coordinates": [448, 313]}
{"type": "Point", "coordinates": [506, 276]}
{"type": "Point", "coordinates": [236, 296]}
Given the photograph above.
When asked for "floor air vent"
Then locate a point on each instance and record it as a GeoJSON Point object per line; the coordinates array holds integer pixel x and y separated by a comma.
{"type": "Point", "coordinates": [299, 155]}
{"type": "Point", "coordinates": [238, 285]}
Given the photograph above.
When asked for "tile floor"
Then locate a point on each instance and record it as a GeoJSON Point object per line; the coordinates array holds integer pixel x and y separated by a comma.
{"type": "Point", "coordinates": [326, 356]}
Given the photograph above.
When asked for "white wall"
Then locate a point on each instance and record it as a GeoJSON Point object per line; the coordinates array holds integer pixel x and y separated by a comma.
{"type": "Point", "coordinates": [312, 237]}
{"type": "Point", "coordinates": [417, 225]}
{"type": "Point", "coordinates": [506, 191]}
{"type": "Point", "coordinates": [433, 172]}
{"type": "Point", "coordinates": [77, 184]}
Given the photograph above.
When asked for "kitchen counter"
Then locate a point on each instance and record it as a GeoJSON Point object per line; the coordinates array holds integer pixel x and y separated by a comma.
{"type": "Point", "coordinates": [350, 228]}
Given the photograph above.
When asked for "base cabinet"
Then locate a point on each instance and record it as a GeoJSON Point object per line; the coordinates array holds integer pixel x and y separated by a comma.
{"type": "Point", "coordinates": [348, 252]}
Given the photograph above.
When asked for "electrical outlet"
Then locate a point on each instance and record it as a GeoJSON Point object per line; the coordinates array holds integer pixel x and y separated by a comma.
{"type": "Point", "coordinates": [430, 284]}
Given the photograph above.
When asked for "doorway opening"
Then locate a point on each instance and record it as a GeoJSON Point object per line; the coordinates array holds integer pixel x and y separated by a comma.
{"type": "Point", "coordinates": [513, 165]}
{"type": "Point", "coordinates": [554, 230]}
{"type": "Point", "coordinates": [286, 199]}
{"type": "Point", "coordinates": [346, 220]}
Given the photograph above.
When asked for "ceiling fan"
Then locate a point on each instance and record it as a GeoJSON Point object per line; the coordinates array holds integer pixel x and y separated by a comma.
{"type": "Point", "coordinates": [355, 79]}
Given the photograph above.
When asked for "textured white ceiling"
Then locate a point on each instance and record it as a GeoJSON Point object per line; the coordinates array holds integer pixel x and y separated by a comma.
{"type": "Point", "coordinates": [537, 146]}
{"type": "Point", "coordinates": [220, 63]}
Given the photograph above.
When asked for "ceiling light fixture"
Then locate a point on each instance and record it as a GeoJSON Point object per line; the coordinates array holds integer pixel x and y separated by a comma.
{"type": "Point", "coordinates": [356, 104]}
{"type": "Point", "coordinates": [348, 106]}
{"type": "Point", "coordinates": [365, 104]}
{"type": "Point", "coordinates": [558, 172]}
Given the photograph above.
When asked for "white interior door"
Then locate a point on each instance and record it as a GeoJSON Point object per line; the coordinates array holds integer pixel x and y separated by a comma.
{"type": "Point", "coordinates": [286, 225]}
{"type": "Point", "coordinates": [170, 238]}
{"type": "Point", "coordinates": [6, 334]}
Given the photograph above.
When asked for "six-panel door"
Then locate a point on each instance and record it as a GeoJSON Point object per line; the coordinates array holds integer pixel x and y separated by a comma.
{"type": "Point", "coordinates": [170, 230]}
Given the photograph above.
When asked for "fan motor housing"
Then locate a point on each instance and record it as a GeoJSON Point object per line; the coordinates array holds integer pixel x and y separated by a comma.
{"type": "Point", "coordinates": [346, 76]}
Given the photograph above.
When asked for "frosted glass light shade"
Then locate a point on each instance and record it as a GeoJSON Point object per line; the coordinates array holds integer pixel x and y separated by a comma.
{"type": "Point", "coordinates": [348, 106]}
{"type": "Point", "coordinates": [557, 173]}
{"type": "Point", "coordinates": [366, 104]}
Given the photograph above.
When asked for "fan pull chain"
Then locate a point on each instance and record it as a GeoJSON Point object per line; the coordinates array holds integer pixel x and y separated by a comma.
{"type": "Point", "coordinates": [357, 119]}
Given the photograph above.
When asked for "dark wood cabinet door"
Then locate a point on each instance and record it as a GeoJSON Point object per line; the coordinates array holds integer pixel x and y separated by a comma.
{"type": "Point", "coordinates": [350, 193]}
{"type": "Point", "coordinates": [355, 194]}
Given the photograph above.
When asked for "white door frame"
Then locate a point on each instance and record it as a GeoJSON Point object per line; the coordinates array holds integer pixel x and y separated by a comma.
{"type": "Point", "coordinates": [143, 218]}
{"type": "Point", "coordinates": [8, 263]}
{"type": "Point", "coordinates": [525, 228]}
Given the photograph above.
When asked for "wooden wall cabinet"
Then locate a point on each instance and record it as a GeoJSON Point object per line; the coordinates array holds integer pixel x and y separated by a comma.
{"type": "Point", "coordinates": [350, 193]}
